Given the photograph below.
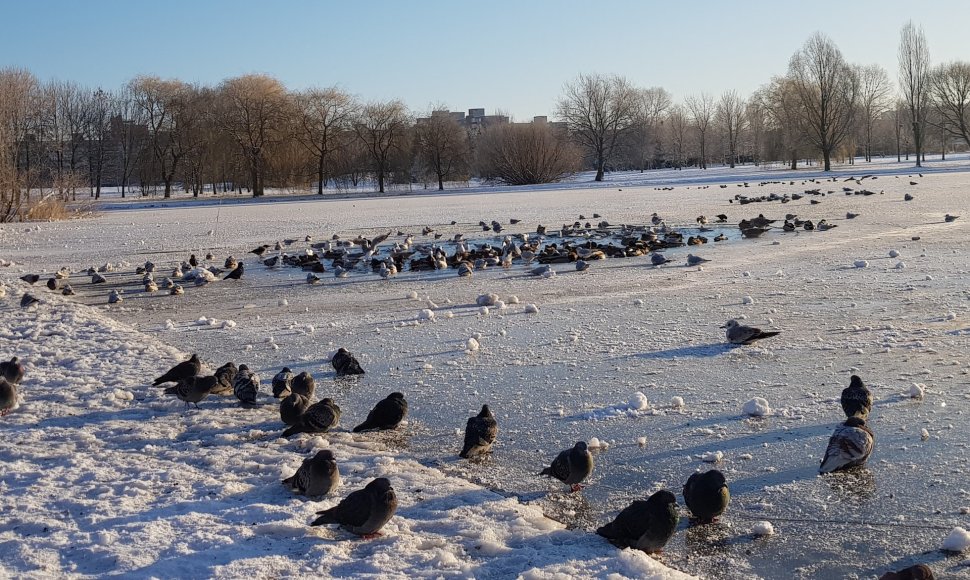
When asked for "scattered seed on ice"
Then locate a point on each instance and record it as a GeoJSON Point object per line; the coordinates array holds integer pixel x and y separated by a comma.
{"type": "Point", "coordinates": [756, 407]}
{"type": "Point", "coordinates": [762, 529]}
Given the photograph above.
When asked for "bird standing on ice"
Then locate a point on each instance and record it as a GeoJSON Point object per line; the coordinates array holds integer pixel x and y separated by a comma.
{"type": "Point", "coordinates": [571, 466]}
{"type": "Point", "coordinates": [318, 475]}
{"type": "Point", "coordinates": [181, 371]}
{"type": "Point", "coordinates": [644, 525]}
{"type": "Point", "coordinates": [363, 512]}
{"type": "Point", "coordinates": [386, 414]}
{"type": "Point", "coordinates": [856, 399]}
{"type": "Point", "coordinates": [849, 446]}
{"type": "Point", "coordinates": [707, 495]}
{"type": "Point", "coordinates": [480, 433]}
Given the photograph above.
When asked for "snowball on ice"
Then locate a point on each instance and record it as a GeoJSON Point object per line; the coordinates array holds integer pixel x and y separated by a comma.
{"type": "Point", "coordinates": [513, 299]}
{"type": "Point", "coordinates": [531, 309]}
{"type": "Point", "coordinates": [412, 295]}
{"type": "Point", "coordinates": [756, 407]}
{"type": "Point", "coordinates": [426, 314]}
{"type": "Point", "coordinates": [861, 264]}
{"type": "Point", "coordinates": [957, 541]}
{"type": "Point", "coordinates": [917, 390]}
{"type": "Point", "coordinates": [596, 443]}
{"type": "Point", "coordinates": [712, 456]}
{"type": "Point", "coordinates": [677, 402]}
{"type": "Point", "coordinates": [762, 528]}
{"type": "Point", "coordinates": [487, 299]}
{"type": "Point", "coordinates": [472, 345]}
{"type": "Point", "coordinates": [893, 253]}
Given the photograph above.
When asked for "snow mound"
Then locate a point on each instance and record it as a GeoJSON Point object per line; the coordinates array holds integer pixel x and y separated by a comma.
{"type": "Point", "coordinates": [487, 299]}
{"type": "Point", "coordinates": [636, 406]}
{"type": "Point", "coordinates": [412, 295]}
{"type": "Point", "coordinates": [677, 402]}
{"type": "Point", "coordinates": [917, 390]}
{"type": "Point", "coordinates": [596, 443]}
{"type": "Point", "coordinates": [472, 345]}
{"type": "Point", "coordinates": [756, 407]}
{"type": "Point", "coordinates": [861, 264]}
{"type": "Point", "coordinates": [531, 309]}
{"type": "Point", "coordinates": [712, 456]}
{"type": "Point", "coordinates": [763, 528]}
{"type": "Point", "coordinates": [513, 299]}
{"type": "Point", "coordinates": [893, 253]}
{"type": "Point", "coordinates": [426, 314]}
{"type": "Point", "coordinates": [957, 541]}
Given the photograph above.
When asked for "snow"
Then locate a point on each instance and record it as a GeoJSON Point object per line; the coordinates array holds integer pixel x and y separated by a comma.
{"type": "Point", "coordinates": [917, 390]}
{"type": "Point", "coordinates": [763, 528]}
{"type": "Point", "coordinates": [958, 540]}
{"type": "Point", "coordinates": [756, 407]}
{"type": "Point", "coordinates": [531, 309]}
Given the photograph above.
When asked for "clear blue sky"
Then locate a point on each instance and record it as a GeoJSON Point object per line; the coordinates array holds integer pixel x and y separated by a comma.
{"type": "Point", "coordinates": [497, 54]}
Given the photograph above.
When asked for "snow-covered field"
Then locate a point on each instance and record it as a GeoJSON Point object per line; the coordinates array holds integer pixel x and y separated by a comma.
{"type": "Point", "coordinates": [102, 474]}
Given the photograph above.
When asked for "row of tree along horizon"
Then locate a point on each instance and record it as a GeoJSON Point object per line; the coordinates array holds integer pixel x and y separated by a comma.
{"type": "Point", "coordinates": [251, 132]}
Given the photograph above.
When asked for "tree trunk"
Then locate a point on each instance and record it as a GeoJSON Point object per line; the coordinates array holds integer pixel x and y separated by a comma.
{"type": "Point", "coordinates": [320, 172]}
{"type": "Point", "coordinates": [827, 159]}
{"type": "Point", "coordinates": [380, 181]}
{"type": "Point", "coordinates": [918, 142]}
{"type": "Point", "coordinates": [441, 182]}
{"type": "Point", "coordinates": [254, 177]}
{"type": "Point", "coordinates": [168, 187]}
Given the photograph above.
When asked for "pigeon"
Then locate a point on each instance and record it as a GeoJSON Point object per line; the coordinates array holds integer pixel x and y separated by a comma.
{"type": "Point", "coordinates": [465, 269]}
{"type": "Point", "coordinates": [52, 284]}
{"type": "Point", "coordinates": [386, 414]}
{"type": "Point", "coordinates": [571, 466]}
{"type": "Point", "coordinates": [303, 384]}
{"type": "Point", "coordinates": [68, 290]}
{"type": "Point", "coordinates": [582, 265]}
{"type": "Point", "coordinates": [737, 333]}
{"type": "Point", "coordinates": [345, 363]}
{"type": "Point", "coordinates": [30, 278]}
{"type": "Point", "coordinates": [292, 408]}
{"type": "Point", "coordinates": [706, 495]}
{"type": "Point", "coordinates": [12, 370]}
{"type": "Point", "coordinates": [917, 572]}
{"type": "Point", "coordinates": [909, 197]}
{"type": "Point", "coordinates": [340, 272]}
{"type": "Point", "coordinates": [227, 376]}
{"type": "Point", "coordinates": [312, 278]}
{"type": "Point", "coordinates": [260, 250]}
{"type": "Point", "coordinates": [8, 396]}
{"type": "Point", "coordinates": [193, 261]}
{"type": "Point", "coordinates": [544, 270]}
{"type": "Point", "coordinates": [319, 417]}
{"type": "Point", "coordinates": [114, 297]}
{"type": "Point", "coordinates": [236, 273]}
{"type": "Point", "coordinates": [151, 286]}
{"type": "Point", "coordinates": [193, 389]}
{"type": "Point", "coordinates": [950, 218]}
{"type": "Point", "coordinates": [98, 278]}
{"type": "Point", "coordinates": [281, 383]}
{"type": "Point", "coordinates": [644, 525]}
{"type": "Point", "coordinates": [272, 262]}
{"type": "Point", "coordinates": [856, 399]}
{"type": "Point", "coordinates": [480, 433]}
{"type": "Point", "coordinates": [246, 386]}
{"type": "Point", "coordinates": [363, 512]}
{"type": "Point", "coordinates": [230, 263]}
{"type": "Point", "coordinates": [850, 445]}
{"type": "Point", "coordinates": [721, 218]}
{"type": "Point", "coordinates": [181, 371]}
{"type": "Point", "coordinates": [177, 290]}
{"type": "Point", "coordinates": [658, 259]}
{"type": "Point", "coordinates": [27, 300]}
{"type": "Point", "coordinates": [317, 475]}
{"type": "Point", "coordinates": [693, 260]}
{"type": "Point", "coordinates": [851, 216]}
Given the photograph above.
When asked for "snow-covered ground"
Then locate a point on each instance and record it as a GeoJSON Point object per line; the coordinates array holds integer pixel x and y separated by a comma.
{"type": "Point", "coordinates": [100, 473]}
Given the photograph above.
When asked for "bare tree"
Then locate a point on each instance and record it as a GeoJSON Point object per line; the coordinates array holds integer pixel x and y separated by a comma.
{"type": "Point", "coordinates": [951, 91]}
{"type": "Point", "coordinates": [914, 80]}
{"type": "Point", "coordinates": [324, 114]}
{"type": "Point", "coordinates": [701, 108]}
{"type": "Point", "coordinates": [383, 129]}
{"type": "Point", "coordinates": [875, 98]}
{"type": "Point", "coordinates": [756, 119]}
{"type": "Point", "coordinates": [599, 111]}
{"type": "Point", "coordinates": [677, 129]}
{"type": "Point", "coordinates": [526, 153]}
{"type": "Point", "coordinates": [164, 104]}
{"type": "Point", "coordinates": [99, 106]}
{"type": "Point", "coordinates": [784, 118]}
{"type": "Point", "coordinates": [442, 145]}
{"type": "Point", "coordinates": [826, 88]}
{"type": "Point", "coordinates": [729, 115]}
{"type": "Point", "coordinates": [129, 134]}
{"type": "Point", "coordinates": [19, 102]}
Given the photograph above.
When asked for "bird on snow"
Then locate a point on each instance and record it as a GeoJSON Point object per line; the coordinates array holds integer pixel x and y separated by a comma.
{"type": "Point", "coordinates": [850, 445]}
{"type": "Point", "coordinates": [737, 333]}
{"type": "Point", "coordinates": [480, 433]}
{"type": "Point", "coordinates": [851, 216]}
{"type": "Point", "coordinates": [658, 259]}
{"type": "Point", "coordinates": [706, 495]}
{"type": "Point", "coordinates": [856, 399]}
{"type": "Point", "coordinates": [8, 396]}
{"type": "Point", "coordinates": [571, 466]}
{"type": "Point", "coordinates": [312, 278]}
{"type": "Point", "coordinates": [917, 572]}
{"type": "Point", "coordinates": [177, 290]}
{"type": "Point", "coordinates": [181, 371]}
{"type": "Point", "coordinates": [272, 262]}
{"type": "Point", "coordinates": [26, 301]}
{"type": "Point", "coordinates": [30, 278]}
{"type": "Point", "coordinates": [236, 273]}
{"type": "Point", "coordinates": [292, 408]}
{"type": "Point", "coordinates": [246, 386]}
{"type": "Point", "coordinates": [114, 297]}
{"type": "Point", "coordinates": [582, 265]}
{"type": "Point", "coordinates": [98, 278]}
{"type": "Point", "coordinates": [693, 260]}
{"type": "Point", "coordinates": [909, 197]}
{"type": "Point", "coordinates": [151, 286]}
{"type": "Point", "coordinates": [340, 272]}
{"type": "Point", "coordinates": [319, 417]}
{"type": "Point", "coordinates": [644, 525]}
{"type": "Point", "coordinates": [303, 384]}
{"type": "Point", "coordinates": [544, 270]}
{"type": "Point", "coordinates": [226, 374]}
{"type": "Point", "coordinates": [345, 363]}
{"type": "Point", "coordinates": [52, 284]}
{"type": "Point", "coordinates": [230, 263]}
{"type": "Point", "coordinates": [721, 218]}
{"type": "Point", "coordinates": [193, 389]}
{"type": "Point", "coordinates": [13, 370]}
{"type": "Point", "coordinates": [386, 414]}
{"type": "Point", "coordinates": [193, 261]}
{"type": "Point", "coordinates": [465, 269]}
{"type": "Point", "coordinates": [317, 475]}
{"type": "Point", "coordinates": [363, 512]}
{"type": "Point", "coordinates": [281, 383]}
{"type": "Point", "coordinates": [950, 218]}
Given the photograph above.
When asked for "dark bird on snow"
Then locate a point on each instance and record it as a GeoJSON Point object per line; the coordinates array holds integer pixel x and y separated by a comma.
{"type": "Point", "coordinates": [67, 290]}
{"type": "Point", "coordinates": [181, 371]}
{"type": "Point", "coordinates": [226, 375]}
{"type": "Point", "coordinates": [571, 466]}
{"type": "Point", "coordinates": [13, 370]}
{"type": "Point", "coordinates": [246, 386]}
{"type": "Point", "coordinates": [193, 389]}
{"type": "Point", "coordinates": [851, 216]}
{"type": "Point", "coordinates": [707, 495]}
{"type": "Point", "coordinates": [236, 273]}
{"type": "Point", "coordinates": [950, 218]}
{"type": "Point", "coordinates": [644, 525]}
{"type": "Point", "coordinates": [319, 417]}
{"type": "Point", "coordinates": [260, 250]}
{"type": "Point", "coordinates": [856, 399]}
{"type": "Point", "coordinates": [292, 408]}
{"type": "Point", "coordinates": [26, 301]}
{"type": "Point", "coordinates": [480, 432]}
{"type": "Point", "coordinates": [850, 445]}
{"type": "Point", "coordinates": [303, 384]}
{"type": "Point", "coordinates": [30, 278]}
{"type": "Point", "coordinates": [909, 197]}
{"type": "Point", "coordinates": [8, 396]}
{"type": "Point", "coordinates": [98, 278]}
{"type": "Point", "coordinates": [363, 512]}
{"type": "Point", "coordinates": [582, 265]}
{"type": "Point", "coordinates": [193, 261]}
{"type": "Point", "coordinates": [345, 363]}
{"type": "Point", "coordinates": [317, 476]}
{"type": "Point", "coordinates": [52, 284]}
{"type": "Point", "coordinates": [281, 383]}
{"type": "Point", "coordinates": [272, 262]}
{"type": "Point", "coordinates": [737, 333]}
{"type": "Point", "coordinates": [721, 218]}
{"type": "Point", "coordinates": [386, 414]}
{"type": "Point", "coordinates": [917, 572]}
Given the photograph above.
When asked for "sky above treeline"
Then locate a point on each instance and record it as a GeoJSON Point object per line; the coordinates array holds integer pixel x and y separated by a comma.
{"type": "Point", "coordinates": [513, 56]}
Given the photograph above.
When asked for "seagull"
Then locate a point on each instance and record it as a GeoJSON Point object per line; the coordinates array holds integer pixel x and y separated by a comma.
{"type": "Point", "coordinates": [12, 370]}
{"type": "Point", "coordinates": [317, 476]}
{"type": "Point", "coordinates": [693, 260]}
{"type": "Point", "coordinates": [950, 218]}
{"type": "Point", "coordinates": [856, 399]}
{"type": "Point", "coordinates": [644, 525]}
{"type": "Point", "coordinates": [386, 414]}
{"type": "Point", "coordinates": [658, 259]}
{"type": "Point", "coordinates": [740, 334]}
{"type": "Point", "coordinates": [707, 495]}
{"type": "Point", "coordinates": [571, 466]}
{"type": "Point", "coordinates": [281, 383]}
{"type": "Point", "coordinates": [345, 363]}
{"type": "Point", "coordinates": [850, 445]}
{"type": "Point", "coordinates": [582, 265]}
{"type": "Point", "coordinates": [292, 407]}
{"type": "Point", "coordinates": [480, 433]}
{"type": "Point", "coordinates": [319, 417]}
{"type": "Point", "coordinates": [363, 512]}
{"type": "Point", "coordinates": [181, 371]}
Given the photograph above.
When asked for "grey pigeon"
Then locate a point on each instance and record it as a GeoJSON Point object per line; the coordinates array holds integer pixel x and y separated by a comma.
{"type": "Point", "coordinates": [582, 265]}
{"type": "Point", "coordinates": [571, 466]}
{"type": "Point", "coordinates": [26, 301]}
{"type": "Point", "coordinates": [740, 334]}
{"type": "Point", "coordinates": [856, 399]}
{"type": "Point", "coordinates": [345, 363]}
{"type": "Point", "coordinates": [480, 433]}
{"type": "Point", "coordinates": [12, 370]}
{"type": "Point", "coordinates": [181, 371]}
{"type": "Point", "coordinates": [465, 269]}
{"type": "Point", "coordinates": [312, 278]}
{"type": "Point", "coordinates": [177, 290]}
{"type": "Point", "coordinates": [644, 525]}
{"type": "Point", "coordinates": [292, 408]}
{"type": "Point", "coordinates": [363, 512]}
{"type": "Point", "coordinates": [226, 374]}
{"type": "Point", "coordinates": [98, 279]}
{"type": "Point", "coordinates": [693, 260]}
{"type": "Point", "coordinates": [317, 476]}
{"type": "Point", "coordinates": [320, 417]}
{"type": "Point", "coordinates": [658, 259]}
{"type": "Point", "coordinates": [281, 383]}
{"type": "Point", "coordinates": [246, 386]}
{"type": "Point", "coordinates": [67, 290]}
{"type": "Point", "coordinates": [542, 270]}
{"type": "Point", "coordinates": [193, 389]}
{"type": "Point", "coordinates": [304, 384]}
{"type": "Point", "coordinates": [850, 445]}
{"type": "Point", "coordinates": [30, 278]}
{"type": "Point", "coordinates": [386, 414]}
{"type": "Point", "coordinates": [707, 495]}
{"type": "Point", "coordinates": [8, 396]}
{"type": "Point", "coordinates": [114, 297]}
